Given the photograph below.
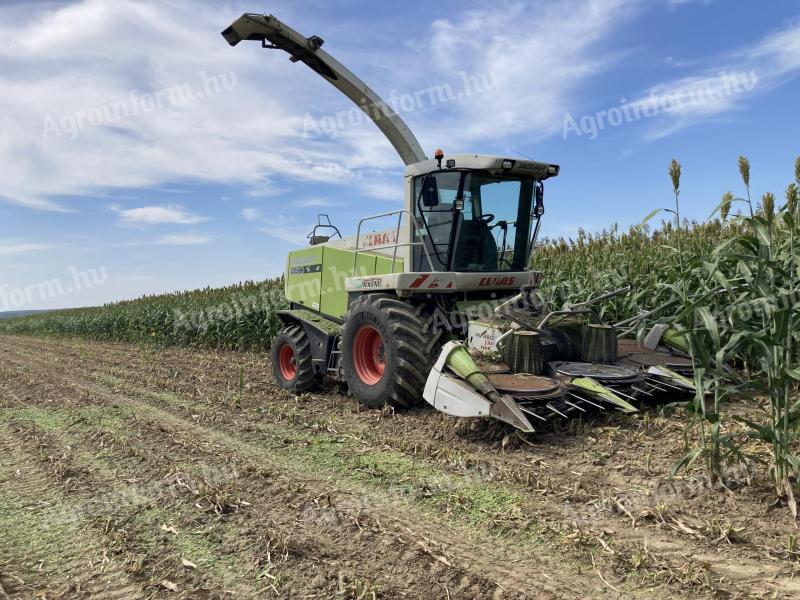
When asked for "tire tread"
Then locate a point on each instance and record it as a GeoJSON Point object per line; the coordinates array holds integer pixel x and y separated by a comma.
{"type": "Point", "coordinates": [415, 342]}
{"type": "Point", "coordinates": [306, 378]}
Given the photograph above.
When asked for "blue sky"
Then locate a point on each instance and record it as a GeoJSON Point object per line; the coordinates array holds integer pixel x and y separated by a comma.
{"type": "Point", "coordinates": [109, 166]}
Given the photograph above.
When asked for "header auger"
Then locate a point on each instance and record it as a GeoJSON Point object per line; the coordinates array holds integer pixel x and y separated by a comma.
{"type": "Point", "coordinates": [443, 306]}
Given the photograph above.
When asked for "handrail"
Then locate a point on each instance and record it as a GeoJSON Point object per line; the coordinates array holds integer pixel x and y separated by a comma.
{"type": "Point", "coordinates": [397, 243]}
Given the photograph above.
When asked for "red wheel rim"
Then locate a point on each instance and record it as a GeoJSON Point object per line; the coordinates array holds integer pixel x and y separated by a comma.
{"type": "Point", "coordinates": [368, 358]}
{"type": "Point", "coordinates": [287, 362]}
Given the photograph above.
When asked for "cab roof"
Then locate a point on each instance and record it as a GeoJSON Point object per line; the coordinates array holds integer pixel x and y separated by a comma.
{"type": "Point", "coordinates": [493, 164]}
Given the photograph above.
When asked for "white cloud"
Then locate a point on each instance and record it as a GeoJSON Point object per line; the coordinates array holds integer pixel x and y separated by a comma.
{"type": "Point", "coordinates": [280, 226]}
{"type": "Point", "coordinates": [538, 57]}
{"type": "Point", "coordinates": [285, 228]}
{"type": "Point", "coordinates": [253, 133]}
{"type": "Point", "coordinates": [17, 248]}
{"type": "Point", "coordinates": [679, 63]}
{"type": "Point", "coordinates": [316, 203]}
{"type": "Point", "coordinates": [250, 214]}
{"type": "Point", "coordinates": [171, 104]}
{"type": "Point", "coordinates": [158, 215]}
{"type": "Point", "coordinates": [295, 235]}
{"type": "Point", "coordinates": [779, 52]}
{"type": "Point", "coordinates": [691, 99]}
{"type": "Point", "coordinates": [676, 3]}
{"type": "Point", "coordinates": [183, 239]}
{"type": "Point", "coordinates": [713, 92]}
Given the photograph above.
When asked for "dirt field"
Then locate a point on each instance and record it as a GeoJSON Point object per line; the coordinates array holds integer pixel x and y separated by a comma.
{"type": "Point", "coordinates": [129, 472]}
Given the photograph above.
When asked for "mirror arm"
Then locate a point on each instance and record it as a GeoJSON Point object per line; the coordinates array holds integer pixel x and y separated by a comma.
{"type": "Point", "coordinates": [538, 202]}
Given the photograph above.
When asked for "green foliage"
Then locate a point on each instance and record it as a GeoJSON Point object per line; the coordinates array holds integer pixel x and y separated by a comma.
{"type": "Point", "coordinates": [590, 265]}
{"type": "Point", "coordinates": [762, 316]}
{"type": "Point", "coordinates": [240, 317]}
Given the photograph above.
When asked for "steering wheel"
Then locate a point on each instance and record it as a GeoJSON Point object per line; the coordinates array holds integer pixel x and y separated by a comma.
{"type": "Point", "coordinates": [487, 218]}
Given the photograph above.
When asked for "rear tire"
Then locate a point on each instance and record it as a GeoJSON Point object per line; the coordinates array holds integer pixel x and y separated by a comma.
{"type": "Point", "coordinates": [292, 366]}
{"type": "Point", "coordinates": [388, 348]}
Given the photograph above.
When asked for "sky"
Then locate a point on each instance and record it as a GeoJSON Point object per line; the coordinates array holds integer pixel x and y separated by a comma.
{"type": "Point", "coordinates": [139, 153]}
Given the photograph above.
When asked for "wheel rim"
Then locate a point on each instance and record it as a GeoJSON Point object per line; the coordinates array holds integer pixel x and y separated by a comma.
{"type": "Point", "coordinates": [368, 355]}
{"type": "Point", "coordinates": [287, 362]}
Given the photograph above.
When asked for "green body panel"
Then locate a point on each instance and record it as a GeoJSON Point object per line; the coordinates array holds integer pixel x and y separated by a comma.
{"type": "Point", "coordinates": [337, 265]}
{"type": "Point", "coordinates": [383, 265]}
{"type": "Point", "coordinates": [315, 276]}
{"type": "Point", "coordinates": [316, 320]}
{"type": "Point", "coordinates": [304, 276]}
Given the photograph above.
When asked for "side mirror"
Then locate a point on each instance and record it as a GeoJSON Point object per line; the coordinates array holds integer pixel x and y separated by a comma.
{"type": "Point", "coordinates": [539, 208]}
{"type": "Point", "coordinates": [430, 192]}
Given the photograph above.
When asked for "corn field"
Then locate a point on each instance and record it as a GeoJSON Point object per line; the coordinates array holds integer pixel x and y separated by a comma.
{"type": "Point", "coordinates": [237, 317]}
{"type": "Point", "coordinates": [590, 265]}
{"type": "Point", "coordinates": [731, 288]}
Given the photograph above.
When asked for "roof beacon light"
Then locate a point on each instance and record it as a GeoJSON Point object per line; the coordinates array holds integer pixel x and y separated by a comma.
{"type": "Point", "coordinates": [439, 155]}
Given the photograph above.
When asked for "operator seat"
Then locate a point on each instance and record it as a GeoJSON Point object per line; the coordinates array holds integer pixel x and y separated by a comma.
{"type": "Point", "coordinates": [476, 248]}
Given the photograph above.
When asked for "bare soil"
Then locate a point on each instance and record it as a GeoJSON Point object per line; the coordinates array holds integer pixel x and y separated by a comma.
{"type": "Point", "coordinates": [131, 472]}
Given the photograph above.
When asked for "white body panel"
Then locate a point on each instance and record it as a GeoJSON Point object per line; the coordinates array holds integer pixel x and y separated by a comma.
{"type": "Point", "coordinates": [453, 396]}
{"type": "Point", "coordinates": [381, 242]}
{"type": "Point", "coordinates": [483, 162]}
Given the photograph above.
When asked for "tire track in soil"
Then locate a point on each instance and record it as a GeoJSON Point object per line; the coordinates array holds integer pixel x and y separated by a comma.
{"type": "Point", "coordinates": [81, 567]}
{"type": "Point", "coordinates": [732, 563]}
{"type": "Point", "coordinates": [86, 490]}
{"type": "Point", "coordinates": [289, 498]}
{"type": "Point", "coordinates": [418, 436]}
{"type": "Point", "coordinates": [113, 364]}
{"type": "Point", "coordinates": [181, 427]}
{"type": "Point", "coordinates": [148, 461]}
{"type": "Point", "coordinates": [665, 545]}
{"type": "Point", "coordinates": [299, 509]}
{"type": "Point", "coordinates": [161, 416]}
{"type": "Point", "coordinates": [155, 493]}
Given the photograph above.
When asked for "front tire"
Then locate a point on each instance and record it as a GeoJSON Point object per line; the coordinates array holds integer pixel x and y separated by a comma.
{"type": "Point", "coordinates": [292, 365]}
{"type": "Point", "coordinates": [388, 348]}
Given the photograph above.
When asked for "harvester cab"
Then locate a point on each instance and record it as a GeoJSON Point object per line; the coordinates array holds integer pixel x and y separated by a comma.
{"type": "Point", "coordinates": [442, 304]}
{"type": "Point", "coordinates": [477, 214]}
